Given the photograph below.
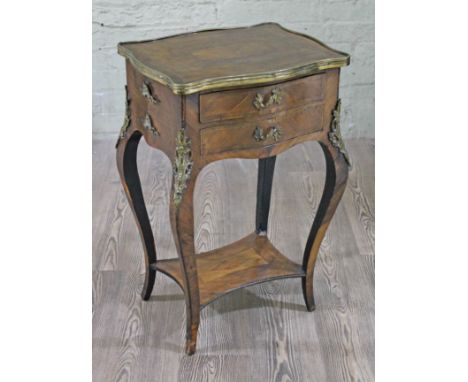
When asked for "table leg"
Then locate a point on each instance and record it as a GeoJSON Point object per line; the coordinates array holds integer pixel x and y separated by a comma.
{"type": "Point", "coordinates": [266, 168]}
{"type": "Point", "coordinates": [128, 170]}
{"type": "Point", "coordinates": [182, 222]}
{"type": "Point", "coordinates": [335, 183]}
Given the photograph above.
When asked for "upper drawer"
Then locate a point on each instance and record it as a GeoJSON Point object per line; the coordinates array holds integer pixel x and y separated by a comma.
{"type": "Point", "coordinates": [251, 102]}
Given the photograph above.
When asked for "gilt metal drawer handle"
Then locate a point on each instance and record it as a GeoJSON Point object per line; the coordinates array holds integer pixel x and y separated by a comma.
{"type": "Point", "coordinates": [275, 97]}
{"type": "Point", "coordinates": [147, 93]}
{"type": "Point", "coordinates": [274, 132]}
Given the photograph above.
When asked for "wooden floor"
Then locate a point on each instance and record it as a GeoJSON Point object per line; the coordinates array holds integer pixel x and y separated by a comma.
{"type": "Point", "coordinates": [260, 333]}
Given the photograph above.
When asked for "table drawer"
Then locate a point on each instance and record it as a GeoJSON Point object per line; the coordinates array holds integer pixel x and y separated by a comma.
{"type": "Point", "coordinates": [250, 135]}
{"type": "Point", "coordinates": [260, 101]}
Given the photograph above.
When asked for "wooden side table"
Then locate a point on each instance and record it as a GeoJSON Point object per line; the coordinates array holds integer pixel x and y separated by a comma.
{"type": "Point", "coordinates": [234, 93]}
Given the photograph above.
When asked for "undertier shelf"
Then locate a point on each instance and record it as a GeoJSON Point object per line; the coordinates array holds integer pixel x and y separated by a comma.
{"type": "Point", "coordinates": [248, 261]}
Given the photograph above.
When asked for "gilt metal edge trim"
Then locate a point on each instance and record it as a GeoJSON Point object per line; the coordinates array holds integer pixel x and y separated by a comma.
{"type": "Point", "coordinates": [334, 135]}
{"type": "Point", "coordinates": [126, 122]}
{"type": "Point", "coordinates": [236, 28]}
{"type": "Point", "coordinates": [234, 81]}
{"type": "Point", "coordinates": [182, 166]}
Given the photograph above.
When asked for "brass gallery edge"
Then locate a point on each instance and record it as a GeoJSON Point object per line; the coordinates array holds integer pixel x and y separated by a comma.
{"type": "Point", "coordinates": [234, 81]}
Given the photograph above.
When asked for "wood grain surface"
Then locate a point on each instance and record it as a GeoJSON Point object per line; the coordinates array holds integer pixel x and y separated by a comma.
{"type": "Point", "coordinates": [216, 59]}
{"type": "Point", "coordinates": [262, 332]}
{"type": "Point", "coordinates": [232, 104]}
{"type": "Point", "coordinates": [248, 261]}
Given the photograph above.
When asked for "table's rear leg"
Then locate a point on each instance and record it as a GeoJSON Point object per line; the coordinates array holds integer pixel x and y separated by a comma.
{"type": "Point", "coordinates": [266, 168]}
{"type": "Point", "coordinates": [128, 170]}
{"type": "Point", "coordinates": [335, 183]}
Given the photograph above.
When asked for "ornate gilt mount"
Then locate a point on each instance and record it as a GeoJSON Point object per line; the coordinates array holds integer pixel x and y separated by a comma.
{"type": "Point", "coordinates": [148, 94]}
{"type": "Point", "coordinates": [274, 132]}
{"type": "Point", "coordinates": [334, 135]}
{"type": "Point", "coordinates": [126, 122]}
{"type": "Point", "coordinates": [148, 125]}
{"type": "Point", "coordinates": [183, 165]}
{"type": "Point", "coordinates": [258, 134]}
{"type": "Point", "coordinates": [275, 97]}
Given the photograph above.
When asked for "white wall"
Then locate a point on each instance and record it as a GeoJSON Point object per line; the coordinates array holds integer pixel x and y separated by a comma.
{"type": "Point", "coordinates": [346, 25]}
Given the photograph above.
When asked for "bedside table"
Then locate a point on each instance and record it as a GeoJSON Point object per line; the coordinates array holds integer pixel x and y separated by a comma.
{"type": "Point", "coordinates": [234, 93]}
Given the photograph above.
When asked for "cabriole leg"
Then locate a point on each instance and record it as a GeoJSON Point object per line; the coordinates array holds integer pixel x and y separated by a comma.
{"type": "Point", "coordinates": [182, 227]}
{"type": "Point", "coordinates": [128, 170]}
{"type": "Point", "coordinates": [182, 222]}
{"type": "Point", "coordinates": [335, 183]}
{"type": "Point", "coordinates": [266, 168]}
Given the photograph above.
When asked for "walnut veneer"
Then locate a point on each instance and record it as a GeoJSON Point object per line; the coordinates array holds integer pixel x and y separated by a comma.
{"type": "Point", "coordinates": [235, 93]}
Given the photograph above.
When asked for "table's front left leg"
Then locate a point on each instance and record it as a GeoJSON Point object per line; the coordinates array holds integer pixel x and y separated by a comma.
{"type": "Point", "coordinates": [186, 170]}
{"type": "Point", "coordinates": [128, 170]}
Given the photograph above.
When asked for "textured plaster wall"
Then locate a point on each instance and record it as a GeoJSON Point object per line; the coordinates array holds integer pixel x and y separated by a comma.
{"type": "Point", "coordinates": [346, 25]}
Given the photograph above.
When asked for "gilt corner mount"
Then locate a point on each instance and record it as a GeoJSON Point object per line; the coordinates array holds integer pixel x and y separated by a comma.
{"type": "Point", "coordinates": [126, 122]}
{"type": "Point", "coordinates": [183, 165]}
{"type": "Point", "coordinates": [334, 135]}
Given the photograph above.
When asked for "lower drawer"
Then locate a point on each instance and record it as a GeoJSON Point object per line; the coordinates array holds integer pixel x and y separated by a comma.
{"type": "Point", "coordinates": [277, 128]}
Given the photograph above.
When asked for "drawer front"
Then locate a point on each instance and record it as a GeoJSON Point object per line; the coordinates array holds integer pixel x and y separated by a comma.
{"type": "Point", "coordinates": [250, 135]}
{"type": "Point", "coordinates": [261, 101]}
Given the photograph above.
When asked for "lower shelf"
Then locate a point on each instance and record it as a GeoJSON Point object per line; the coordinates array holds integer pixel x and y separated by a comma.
{"type": "Point", "coordinates": [248, 261]}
